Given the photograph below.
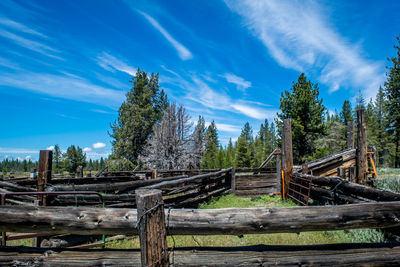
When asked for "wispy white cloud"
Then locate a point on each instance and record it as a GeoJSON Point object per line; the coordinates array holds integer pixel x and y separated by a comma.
{"type": "Point", "coordinates": [183, 52]}
{"type": "Point", "coordinates": [111, 63]}
{"type": "Point", "coordinates": [298, 36]}
{"type": "Point", "coordinates": [20, 27]}
{"type": "Point", "coordinates": [18, 150]}
{"type": "Point", "coordinates": [98, 145]}
{"type": "Point", "coordinates": [50, 148]}
{"type": "Point", "coordinates": [87, 149]}
{"type": "Point", "coordinates": [228, 127]}
{"type": "Point", "coordinates": [31, 45]}
{"type": "Point", "coordinates": [240, 83]}
{"type": "Point", "coordinates": [253, 112]}
{"type": "Point", "coordinates": [65, 87]}
{"type": "Point", "coordinates": [198, 91]}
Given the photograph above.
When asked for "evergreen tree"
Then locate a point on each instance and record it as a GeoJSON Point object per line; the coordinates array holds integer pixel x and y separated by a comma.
{"type": "Point", "coordinates": [305, 109]}
{"type": "Point", "coordinates": [230, 154]}
{"type": "Point", "coordinates": [392, 90]}
{"type": "Point", "coordinates": [199, 136]}
{"type": "Point", "coordinates": [360, 102]}
{"type": "Point", "coordinates": [243, 158]}
{"type": "Point", "coordinates": [346, 114]}
{"type": "Point", "coordinates": [220, 160]}
{"type": "Point", "coordinates": [370, 119]}
{"type": "Point", "coordinates": [57, 159]}
{"type": "Point", "coordinates": [211, 147]}
{"type": "Point", "coordinates": [73, 158]}
{"type": "Point", "coordinates": [137, 115]}
{"type": "Point", "coordinates": [382, 147]}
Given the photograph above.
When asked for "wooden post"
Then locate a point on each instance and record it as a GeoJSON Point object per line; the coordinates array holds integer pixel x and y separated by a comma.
{"type": "Point", "coordinates": [44, 175]}
{"type": "Point", "coordinates": [287, 152]}
{"type": "Point", "coordinates": [341, 172]}
{"type": "Point", "coordinates": [79, 171]}
{"type": "Point", "coordinates": [278, 171]}
{"type": "Point", "coordinates": [233, 181]}
{"type": "Point", "coordinates": [352, 174]}
{"type": "Point", "coordinates": [362, 162]}
{"type": "Point", "coordinates": [350, 135]}
{"type": "Point", "coordinates": [151, 227]}
{"type": "Point", "coordinates": [154, 174]}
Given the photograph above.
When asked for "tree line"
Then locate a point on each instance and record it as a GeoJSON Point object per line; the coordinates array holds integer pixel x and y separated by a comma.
{"type": "Point", "coordinates": [152, 132]}
{"type": "Point", "coordinates": [155, 133]}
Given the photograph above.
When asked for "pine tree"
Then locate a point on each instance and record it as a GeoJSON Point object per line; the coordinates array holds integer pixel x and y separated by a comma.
{"type": "Point", "coordinates": [382, 147]}
{"type": "Point", "coordinates": [305, 109]}
{"type": "Point", "coordinates": [392, 90]}
{"type": "Point", "coordinates": [243, 158]}
{"type": "Point", "coordinates": [230, 154]}
{"type": "Point", "coordinates": [57, 159]}
{"type": "Point", "coordinates": [137, 115]}
{"type": "Point", "coordinates": [199, 136]}
{"type": "Point", "coordinates": [211, 147]}
{"type": "Point", "coordinates": [346, 114]}
{"type": "Point", "coordinates": [73, 158]}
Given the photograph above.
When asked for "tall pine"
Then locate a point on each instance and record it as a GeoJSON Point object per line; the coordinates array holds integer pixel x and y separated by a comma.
{"type": "Point", "coordinates": [392, 90]}
{"type": "Point", "coordinates": [137, 115]}
{"type": "Point", "coordinates": [303, 106]}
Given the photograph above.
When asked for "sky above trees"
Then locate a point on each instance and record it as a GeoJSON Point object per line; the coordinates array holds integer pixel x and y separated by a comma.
{"type": "Point", "coordinates": [65, 66]}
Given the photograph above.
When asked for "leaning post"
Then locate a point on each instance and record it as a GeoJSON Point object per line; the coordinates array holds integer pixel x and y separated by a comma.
{"type": "Point", "coordinates": [151, 227]}
{"type": "Point", "coordinates": [362, 162]}
{"type": "Point", "coordinates": [287, 154]}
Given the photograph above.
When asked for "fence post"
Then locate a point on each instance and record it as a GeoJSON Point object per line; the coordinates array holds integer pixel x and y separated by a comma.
{"type": "Point", "coordinates": [233, 181]}
{"type": "Point", "coordinates": [350, 135]}
{"type": "Point", "coordinates": [278, 171]}
{"type": "Point", "coordinates": [352, 174]}
{"type": "Point", "coordinates": [287, 152]}
{"type": "Point", "coordinates": [362, 162]}
{"type": "Point", "coordinates": [44, 176]}
{"type": "Point", "coordinates": [151, 227]}
{"type": "Point", "coordinates": [154, 174]}
{"type": "Point", "coordinates": [341, 172]}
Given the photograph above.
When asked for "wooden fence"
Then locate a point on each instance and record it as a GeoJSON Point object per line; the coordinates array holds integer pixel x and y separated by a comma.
{"type": "Point", "coordinates": [80, 220]}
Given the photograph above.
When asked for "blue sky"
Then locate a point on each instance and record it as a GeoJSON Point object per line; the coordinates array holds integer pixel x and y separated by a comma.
{"type": "Point", "coordinates": [65, 66]}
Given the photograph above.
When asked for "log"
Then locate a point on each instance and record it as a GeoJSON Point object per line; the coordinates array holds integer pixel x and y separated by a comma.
{"type": "Point", "coordinates": [109, 221]}
{"type": "Point", "coordinates": [103, 187]}
{"type": "Point", "coordinates": [186, 180]}
{"type": "Point", "coordinates": [350, 188]}
{"type": "Point", "coordinates": [375, 254]}
{"type": "Point", "coordinates": [315, 192]}
{"type": "Point", "coordinates": [15, 187]}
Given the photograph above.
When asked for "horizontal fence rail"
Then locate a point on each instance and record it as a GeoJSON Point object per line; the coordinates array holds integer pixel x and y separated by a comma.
{"type": "Point", "coordinates": [90, 221]}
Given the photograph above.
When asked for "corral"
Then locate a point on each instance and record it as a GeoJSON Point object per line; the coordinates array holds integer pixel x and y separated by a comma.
{"type": "Point", "coordinates": [133, 204]}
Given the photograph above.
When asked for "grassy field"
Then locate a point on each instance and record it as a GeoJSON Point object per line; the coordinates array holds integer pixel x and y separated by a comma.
{"type": "Point", "coordinates": [230, 201]}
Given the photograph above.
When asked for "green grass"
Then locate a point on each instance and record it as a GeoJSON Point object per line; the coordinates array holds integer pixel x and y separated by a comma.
{"type": "Point", "coordinates": [389, 179]}
{"type": "Point", "coordinates": [230, 201]}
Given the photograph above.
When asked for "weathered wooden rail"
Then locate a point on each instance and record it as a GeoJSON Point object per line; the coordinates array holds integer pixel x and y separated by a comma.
{"type": "Point", "coordinates": [232, 221]}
